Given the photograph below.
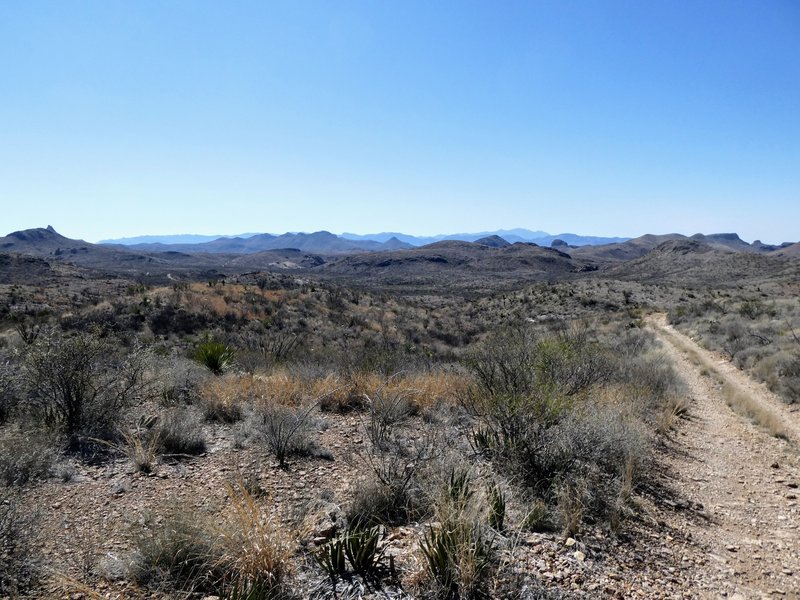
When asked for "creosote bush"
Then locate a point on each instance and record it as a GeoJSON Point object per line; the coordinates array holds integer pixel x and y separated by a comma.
{"type": "Point", "coordinates": [536, 420]}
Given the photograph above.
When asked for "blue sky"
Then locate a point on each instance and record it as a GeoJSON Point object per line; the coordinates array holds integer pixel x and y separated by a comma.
{"type": "Point", "coordinates": [604, 118]}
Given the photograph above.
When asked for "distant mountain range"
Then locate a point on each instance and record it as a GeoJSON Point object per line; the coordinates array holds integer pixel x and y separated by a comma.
{"type": "Point", "coordinates": [43, 253]}
{"type": "Point", "coordinates": [325, 242]}
{"type": "Point", "coordinates": [181, 238]}
{"type": "Point", "coordinates": [320, 242]}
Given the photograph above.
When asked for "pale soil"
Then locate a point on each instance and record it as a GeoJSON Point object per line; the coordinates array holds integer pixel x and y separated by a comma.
{"type": "Point", "coordinates": [745, 479]}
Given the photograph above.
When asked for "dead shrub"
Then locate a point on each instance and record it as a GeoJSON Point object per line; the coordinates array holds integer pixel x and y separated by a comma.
{"type": "Point", "coordinates": [283, 430]}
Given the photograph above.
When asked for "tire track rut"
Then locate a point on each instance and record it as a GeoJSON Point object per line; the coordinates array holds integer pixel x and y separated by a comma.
{"type": "Point", "coordinates": [745, 479]}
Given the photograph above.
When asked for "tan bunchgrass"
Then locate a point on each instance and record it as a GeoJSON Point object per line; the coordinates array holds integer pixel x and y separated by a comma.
{"type": "Point", "coordinates": [253, 550]}
{"type": "Point", "coordinates": [746, 405]}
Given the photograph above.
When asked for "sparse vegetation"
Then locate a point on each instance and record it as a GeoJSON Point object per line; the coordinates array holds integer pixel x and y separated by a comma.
{"type": "Point", "coordinates": [757, 334]}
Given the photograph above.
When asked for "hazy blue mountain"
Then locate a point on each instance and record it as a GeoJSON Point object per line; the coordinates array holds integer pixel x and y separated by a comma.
{"type": "Point", "coordinates": [320, 242]}
{"type": "Point", "coordinates": [542, 238]}
{"type": "Point", "coordinates": [180, 238]}
{"type": "Point", "coordinates": [511, 235]}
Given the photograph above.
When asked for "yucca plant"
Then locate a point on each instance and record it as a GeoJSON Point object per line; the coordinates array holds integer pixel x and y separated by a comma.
{"type": "Point", "coordinates": [215, 356]}
{"type": "Point", "coordinates": [438, 547]}
{"type": "Point", "coordinates": [459, 487]}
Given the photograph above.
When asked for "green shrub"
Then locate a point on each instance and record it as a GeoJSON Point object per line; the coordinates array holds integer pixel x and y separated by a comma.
{"type": "Point", "coordinates": [541, 428]}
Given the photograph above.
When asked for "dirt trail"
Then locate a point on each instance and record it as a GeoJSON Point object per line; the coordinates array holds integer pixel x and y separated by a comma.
{"type": "Point", "coordinates": [740, 480]}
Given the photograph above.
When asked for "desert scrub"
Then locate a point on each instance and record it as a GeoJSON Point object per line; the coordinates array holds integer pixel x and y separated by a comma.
{"type": "Point", "coordinates": [283, 430]}
{"type": "Point", "coordinates": [395, 487]}
{"type": "Point", "coordinates": [759, 336]}
{"type": "Point", "coordinates": [536, 419]}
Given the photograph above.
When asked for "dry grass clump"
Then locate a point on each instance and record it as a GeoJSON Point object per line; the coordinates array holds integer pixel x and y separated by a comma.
{"type": "Point", "coordinates": [221, 398]}
{"type": "Point", "coordinates": [24, 456]}
{"type": "Point", "coordinates": [745, 404]}
{"type": "Point", "coordinates": [422, 391]}
{"type": "Point", "coordinates": [245, 555]}
{"type": "Point", "coordinates": [180, 433]}
{"type": "Point", "coordinates": [19, 570]}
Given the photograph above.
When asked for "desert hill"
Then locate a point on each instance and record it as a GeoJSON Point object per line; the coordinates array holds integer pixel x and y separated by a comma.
{"type": "Point", "coordinates": [457, 262]}
{"type": "Point", "coordinates": [640, 246]}
{"type": "Point", "coordinates": [691, 262]}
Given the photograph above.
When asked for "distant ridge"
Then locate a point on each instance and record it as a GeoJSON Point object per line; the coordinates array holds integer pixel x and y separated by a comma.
{"type": "Point", "coordinates": [348, 242]}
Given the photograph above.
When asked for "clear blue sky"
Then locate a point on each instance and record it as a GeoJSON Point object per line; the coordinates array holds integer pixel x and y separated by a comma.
{"type": "Point", "coordinates": [605, 118]}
